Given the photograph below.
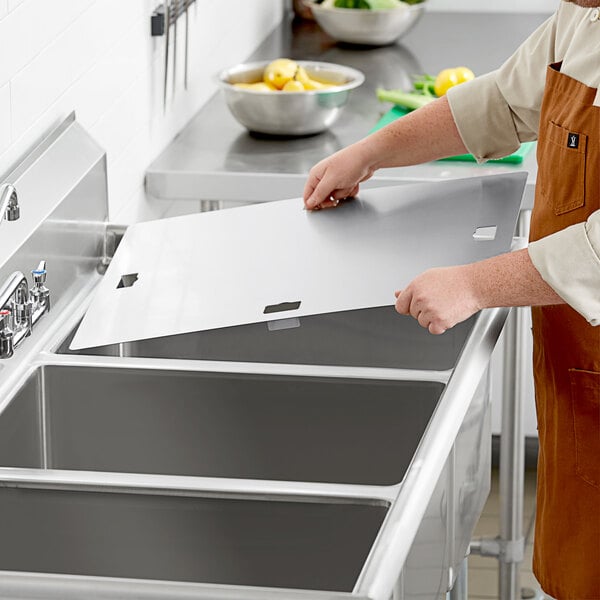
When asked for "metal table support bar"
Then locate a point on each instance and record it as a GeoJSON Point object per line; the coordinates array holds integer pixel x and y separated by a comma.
{"type": "Point", "coordinates": [511, 465]}
{"type": "Point", "coordinates": [512, 447]}
{"type": "Point", "coordinates": [460, 589]}
{"type": "Point", "coordinates": [508, 546]}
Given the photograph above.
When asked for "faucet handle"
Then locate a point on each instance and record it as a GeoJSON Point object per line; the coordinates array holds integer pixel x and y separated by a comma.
{"type": "Point", "coordinates": [39, 293]}
{"type": "Point", "coordinates": [6, 334]}
{"type": "Point", "coordinates": [4, 319]}
{"type": "Point", "coordinates": [39, 274]}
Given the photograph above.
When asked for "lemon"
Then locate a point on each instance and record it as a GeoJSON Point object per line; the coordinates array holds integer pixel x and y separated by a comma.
{"type": "Point", "coordinates": [279, 72]}
{"type": "Point", "coordinates": [464, 74]}
{"type": "Point", "coordinates": [259, 86]}
{"type": "Point", "coordinates": [307, 82]}
{"type": "Point", "coordinates": [450, 77]}
{"type": "Point", "coordinates": [444, 81]}
{"type": "Point", "coordinates": [292, 86]}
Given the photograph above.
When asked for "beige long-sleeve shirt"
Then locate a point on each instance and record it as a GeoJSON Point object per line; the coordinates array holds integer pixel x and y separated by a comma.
{"type": "Point", "coordinates": [505, 105]}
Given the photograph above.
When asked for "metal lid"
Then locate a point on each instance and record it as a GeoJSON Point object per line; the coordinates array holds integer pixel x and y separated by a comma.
{"type": "Point", "coordinates": [275, 260]}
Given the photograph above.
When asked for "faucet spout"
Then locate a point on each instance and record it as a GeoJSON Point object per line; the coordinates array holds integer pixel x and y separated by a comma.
{"type": "Point", "coordinates": [9, 203]}
{"type": "Point", "coordinates": [16, 283]}
{"type": "Point", "coordinates": [21, 308]}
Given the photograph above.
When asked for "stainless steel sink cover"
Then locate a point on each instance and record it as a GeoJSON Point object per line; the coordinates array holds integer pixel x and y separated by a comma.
{"type": "Point", "coordinates": [311, 429]}
{"type": "Point", "coordinates": [240, 542]}
{"type": "Point", "coordinates": [371, 337]}
{"type": "Point", "coordinates": [264, 262]}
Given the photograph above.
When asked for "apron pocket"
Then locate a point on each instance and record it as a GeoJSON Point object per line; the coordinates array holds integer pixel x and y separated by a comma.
{"type": "Point", "coordinates": [564, 150]}
{"type": "Point", "coordinates": [585, 402]}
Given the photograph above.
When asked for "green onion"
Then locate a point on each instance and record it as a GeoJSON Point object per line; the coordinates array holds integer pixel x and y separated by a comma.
{"type": "Point", "coordinates": [408, 100]}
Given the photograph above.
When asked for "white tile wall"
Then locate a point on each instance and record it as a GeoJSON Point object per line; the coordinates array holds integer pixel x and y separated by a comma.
{"type": "Point", "coordinates": [73, 53]}
{"type": "Point", "coordinates": [5, 136]}
{"type": "Point", "coordinates": [97, 57]}
{"type": "Point", "coordinates": [31, 27]}
{"type": "Point", "coordinates": [12, 4]}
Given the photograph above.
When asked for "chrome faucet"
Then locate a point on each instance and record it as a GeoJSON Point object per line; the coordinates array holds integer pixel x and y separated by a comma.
{"type": "Point", "coordinates": [21, 308]}
{"type": "Point", "coordinates": [9, 203]}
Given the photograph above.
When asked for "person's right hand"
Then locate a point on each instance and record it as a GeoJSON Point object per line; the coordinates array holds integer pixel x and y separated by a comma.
{"type": "Point", "coordinates": [336, 177]}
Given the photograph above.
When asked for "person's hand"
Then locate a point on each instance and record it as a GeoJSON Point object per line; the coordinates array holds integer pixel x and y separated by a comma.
{"type": "Point", "coordinates": [440, 298]}
{"type": "Point", "coordinates": [336, 177]}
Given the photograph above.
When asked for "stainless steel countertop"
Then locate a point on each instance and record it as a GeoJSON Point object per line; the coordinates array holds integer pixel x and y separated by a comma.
{"type": "Point", "coordinates": [215, 158]}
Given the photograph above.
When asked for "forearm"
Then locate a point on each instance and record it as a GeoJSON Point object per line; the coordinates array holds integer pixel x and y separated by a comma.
{"type": "Point", "coordinates": [510, 280]}
{"type": "Point", "coordinates": [440, 298]}
{"type": "Point", "coordinates": [423, 135]}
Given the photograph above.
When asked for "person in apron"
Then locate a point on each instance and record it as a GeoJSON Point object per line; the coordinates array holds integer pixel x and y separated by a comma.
{"type": "Point", "coordinates": [548, 90]}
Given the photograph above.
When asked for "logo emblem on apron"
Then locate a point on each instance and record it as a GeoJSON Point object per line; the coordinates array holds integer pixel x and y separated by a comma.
{"type": "Point", "coordinates": [573, 140]}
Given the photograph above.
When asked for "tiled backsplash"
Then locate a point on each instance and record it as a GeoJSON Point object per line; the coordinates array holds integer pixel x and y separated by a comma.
{"type": "Point", "coordinates": [97, 57]}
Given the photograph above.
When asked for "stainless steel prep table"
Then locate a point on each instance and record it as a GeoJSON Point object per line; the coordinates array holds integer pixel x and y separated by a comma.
{"type": "Point", "coordinates": [215, 159]}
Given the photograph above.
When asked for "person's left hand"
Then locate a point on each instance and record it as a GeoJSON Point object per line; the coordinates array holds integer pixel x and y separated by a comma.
{"type": "Point", "coordinates": [440, 298]}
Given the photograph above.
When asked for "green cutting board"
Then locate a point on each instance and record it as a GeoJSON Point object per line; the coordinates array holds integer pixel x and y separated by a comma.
{"type": "Point", "coordinates": [515, 158]}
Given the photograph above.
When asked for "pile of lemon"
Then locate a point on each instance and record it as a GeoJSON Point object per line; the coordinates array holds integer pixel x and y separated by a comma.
{"type": "Point", "coordinates": [285, 75]}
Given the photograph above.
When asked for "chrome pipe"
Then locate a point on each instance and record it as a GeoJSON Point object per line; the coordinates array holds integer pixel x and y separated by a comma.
{"type": "Point", "coordinates": [511, 466]}
{"type": "Point", "coordinates": [460, 589]}
{"type": "Point", "coordinates": [512, 448]}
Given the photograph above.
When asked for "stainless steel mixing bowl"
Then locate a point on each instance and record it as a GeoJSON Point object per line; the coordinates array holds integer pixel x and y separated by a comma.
{"type": "Point", "coordinates": [288, 113]}
{"type": "Point", "coordinates": [371, 27]}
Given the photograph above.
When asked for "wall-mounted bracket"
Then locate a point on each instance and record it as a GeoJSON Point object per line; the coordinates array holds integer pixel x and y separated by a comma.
{"type": "Point", "coordinates": [174, 9]}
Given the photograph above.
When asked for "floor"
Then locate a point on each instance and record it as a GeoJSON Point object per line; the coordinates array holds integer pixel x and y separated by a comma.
{"type": "Point", "coordinates": [483, 571]}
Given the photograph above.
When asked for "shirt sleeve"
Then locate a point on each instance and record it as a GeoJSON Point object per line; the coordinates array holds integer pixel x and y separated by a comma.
{"type": "Point", "coordinates": [494, 113]}
{"type": "Point", "coordinates": [569, 262]}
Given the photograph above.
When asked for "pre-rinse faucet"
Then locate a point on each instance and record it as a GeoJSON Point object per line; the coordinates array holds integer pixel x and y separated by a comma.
{"type": "Point", "coordinates": [9, 203]}
{"type": "Point", "coordinates": [21, 308]}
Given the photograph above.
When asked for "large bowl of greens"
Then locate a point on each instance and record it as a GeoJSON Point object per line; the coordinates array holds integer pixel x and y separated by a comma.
{"type": "Point", "coordinates": [368, 22]}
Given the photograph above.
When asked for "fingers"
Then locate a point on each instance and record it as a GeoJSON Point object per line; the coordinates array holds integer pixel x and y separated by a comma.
{"type": "Point", "coordinates": [314, 178]}
{"type": "Point", "coordinates": [407, 304]}
{"type": "Point", "coordinates": [324, 196]}
{"type": "Point", "coordinates": [403, 300]}
{"type": "Point", "coordinates": [337, 176]}
{"type": "Point", "coordinates": [331, 202]}
{"type": "Point", "coordinates": [436, 328]}
{"type": "Point", "coordinates": [324, 190]}
{"type": "Point", "coordinates": [320, 194]}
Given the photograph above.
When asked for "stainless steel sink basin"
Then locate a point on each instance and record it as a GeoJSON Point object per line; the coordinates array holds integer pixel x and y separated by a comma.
{"type": "Point", "coordinates": [375, 337]}
{"type": "Point", "coordinates": [286, 544]}
{"type": "Point", "coordinates": [313, 429]}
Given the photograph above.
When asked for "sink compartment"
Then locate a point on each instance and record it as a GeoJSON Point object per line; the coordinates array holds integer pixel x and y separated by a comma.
{"type": "Point", "coordinates": [373, 337]}
{"type": "Point", "coordinates": [210, 540]}
{"type": "Point", "coordinates": [312, 429]}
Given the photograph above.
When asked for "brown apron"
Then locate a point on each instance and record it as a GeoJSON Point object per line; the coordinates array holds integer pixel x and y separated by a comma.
{"type": "Point", "coordinates": [566, 354]}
